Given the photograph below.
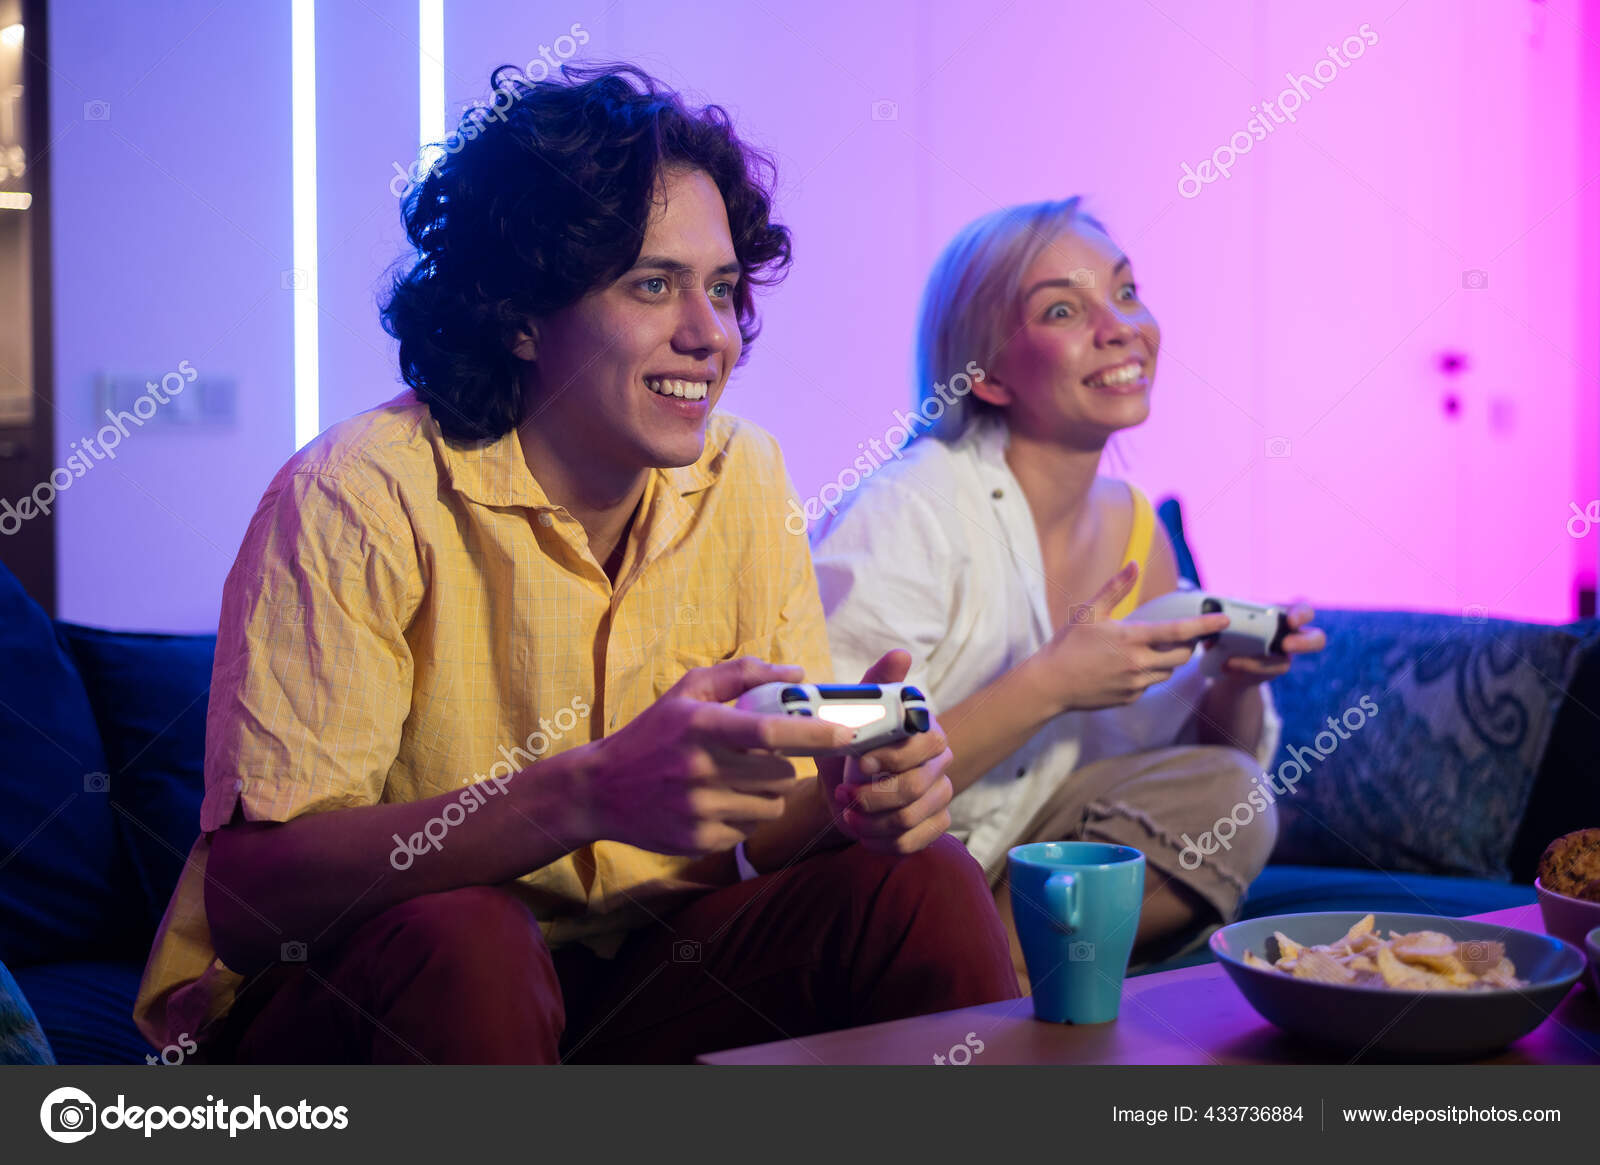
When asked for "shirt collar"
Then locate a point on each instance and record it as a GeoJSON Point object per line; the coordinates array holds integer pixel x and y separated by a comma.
{"type": "Point", "coordinates": [987, 436]}
{"type": "Point", "coordinates": [495, 472]}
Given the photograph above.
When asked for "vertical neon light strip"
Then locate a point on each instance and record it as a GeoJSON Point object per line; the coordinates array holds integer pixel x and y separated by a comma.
{"type": "Point", "coordinates": [430, 62]}
{"type": "Point", "coordinates": [303, 91]}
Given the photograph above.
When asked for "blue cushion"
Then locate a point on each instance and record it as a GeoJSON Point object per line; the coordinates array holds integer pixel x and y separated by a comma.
{"type": "Point", "coordinates": [149, 698]}
{"type": "Point", "coordinates": [1436, 779]}
{"type": "Point", "coordinates": [87, 1010]}
{"type": "Point", "coordinates": [63, 872]}
{"type": "Point", "coordinates": [1302, 889]}
{"type": "Point", "coordinates": [21, 1040]}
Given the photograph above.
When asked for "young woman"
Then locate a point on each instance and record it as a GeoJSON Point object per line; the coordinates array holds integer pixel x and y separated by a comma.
{"type": "Point", "coordinates": [998, 553]}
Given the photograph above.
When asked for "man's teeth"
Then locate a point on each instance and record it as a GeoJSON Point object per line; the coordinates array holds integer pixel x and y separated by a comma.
{"type": "Point", "coordinates": [1126, 374]}
{"type": "Point", "coordinates": [684, 389]}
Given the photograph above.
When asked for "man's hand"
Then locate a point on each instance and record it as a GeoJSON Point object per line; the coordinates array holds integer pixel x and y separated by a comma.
{"type": "Point", "coordinates": [893, 800]}
{"type": "Point", "coordinates": [692, 776]}
{"type": "Point", "coordinates": [1096, 661]}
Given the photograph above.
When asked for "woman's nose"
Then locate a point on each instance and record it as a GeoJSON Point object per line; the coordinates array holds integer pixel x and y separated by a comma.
{"type": "Point", "coordinates": [1114, 328]}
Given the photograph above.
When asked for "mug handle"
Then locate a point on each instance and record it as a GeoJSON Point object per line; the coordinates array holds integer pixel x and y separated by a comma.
{"type": "Point", "coordinates": [1061, 893]}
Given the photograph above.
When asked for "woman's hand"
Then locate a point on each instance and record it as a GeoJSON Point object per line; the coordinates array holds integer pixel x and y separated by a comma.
{"type": "Point", "coordinates": [1096, 661]}
{"type": "Point", "coordinates": [1303, 639]}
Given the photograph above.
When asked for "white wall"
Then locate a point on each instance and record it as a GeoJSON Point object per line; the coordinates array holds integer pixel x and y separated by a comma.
{"type": "Point", "coordinates": [1307, 297]}
{"type": "Point", "coordinates": [171, 228]}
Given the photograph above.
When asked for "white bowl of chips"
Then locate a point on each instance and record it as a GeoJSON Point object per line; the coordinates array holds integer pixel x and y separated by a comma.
{"type": "Point", "coordinates": [1387, 986]}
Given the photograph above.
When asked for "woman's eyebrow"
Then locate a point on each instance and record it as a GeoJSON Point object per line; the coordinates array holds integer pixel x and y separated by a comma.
{"type": "Point", "coordinates": [1122, 262]}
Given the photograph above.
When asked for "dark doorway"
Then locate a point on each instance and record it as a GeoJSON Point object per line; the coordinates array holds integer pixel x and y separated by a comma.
{"type": "Point", "coordinates": [27, 535]}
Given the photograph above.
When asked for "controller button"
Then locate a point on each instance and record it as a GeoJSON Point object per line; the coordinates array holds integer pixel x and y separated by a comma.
{"type": "Point", "coordinates": [916, 720]}
{"type": "Point", "coordinates": [910, 693]}
{"type": "Point", "coordinates": [793, 694]}
{"type": "Point", "coordinates": [1211, 606]}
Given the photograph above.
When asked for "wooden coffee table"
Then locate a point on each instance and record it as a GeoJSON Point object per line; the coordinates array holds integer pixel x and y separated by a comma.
{"type": "Point", "coordinates": [1190, 1016]}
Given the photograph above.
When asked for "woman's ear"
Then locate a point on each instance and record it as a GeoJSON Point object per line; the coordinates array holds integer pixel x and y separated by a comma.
{"type": "Point", "coordinates": [523, 342]}
{"type": "Point", "coordinates": [991, 391]}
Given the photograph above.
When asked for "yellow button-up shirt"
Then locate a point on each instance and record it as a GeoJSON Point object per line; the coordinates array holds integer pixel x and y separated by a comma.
{"type": "Point", "coordinates": [409, 616]}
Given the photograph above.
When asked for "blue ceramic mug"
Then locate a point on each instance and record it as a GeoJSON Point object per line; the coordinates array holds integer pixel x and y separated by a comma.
{"type": "Point", "coordinates": [1076, 905]}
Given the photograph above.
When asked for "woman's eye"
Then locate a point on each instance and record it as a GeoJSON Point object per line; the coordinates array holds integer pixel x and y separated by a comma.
{"type": "Point", "coordinates": [1132, 290]}
{"type": "Point", "coordinates": [1058, 311]}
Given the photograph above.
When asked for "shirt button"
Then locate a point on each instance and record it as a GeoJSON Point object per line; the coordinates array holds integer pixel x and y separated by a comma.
{"type": "Point", "coordinates": [998, 493]}
{"type": "Point", "coordinates": [546, 518]}
{"type": "Point", "coordinates": [1020, 773]}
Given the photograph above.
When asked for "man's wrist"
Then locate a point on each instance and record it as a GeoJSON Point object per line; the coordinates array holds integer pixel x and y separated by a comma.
{"type": "Point", "coordinates": [557, 794]}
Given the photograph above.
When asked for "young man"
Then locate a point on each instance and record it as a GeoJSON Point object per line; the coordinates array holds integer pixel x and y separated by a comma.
{"type": "Point", "coordinates": [474, 793]}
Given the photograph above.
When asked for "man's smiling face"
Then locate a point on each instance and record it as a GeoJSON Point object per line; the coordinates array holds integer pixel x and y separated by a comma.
{"type": "Point", "coordinates": [630, 373]}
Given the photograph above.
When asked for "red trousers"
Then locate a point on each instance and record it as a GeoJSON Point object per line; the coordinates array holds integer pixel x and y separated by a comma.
{"type": "Point", "coordinates": [841, 939]}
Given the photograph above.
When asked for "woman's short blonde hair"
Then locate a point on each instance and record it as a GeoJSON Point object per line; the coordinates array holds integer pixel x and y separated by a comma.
{"type": "Point", "coordinates": [969, 305]}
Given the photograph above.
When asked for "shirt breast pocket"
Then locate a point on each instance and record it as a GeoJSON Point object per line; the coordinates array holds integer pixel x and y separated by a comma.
{"type": "Point", "coordinates": [672, 665]}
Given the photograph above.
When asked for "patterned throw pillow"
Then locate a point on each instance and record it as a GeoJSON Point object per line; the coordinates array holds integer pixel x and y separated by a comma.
{"type": "Point", "coordinates": [1413, 741]}
{"type": "Point", "coordinates": [21, 1040]}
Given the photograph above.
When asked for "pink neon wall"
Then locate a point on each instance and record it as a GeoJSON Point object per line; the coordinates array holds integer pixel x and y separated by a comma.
{"type": "Point", "coordinates": [1308, 297]}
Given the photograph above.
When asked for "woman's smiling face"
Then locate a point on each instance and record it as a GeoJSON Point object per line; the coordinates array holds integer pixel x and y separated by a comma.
{"type": "Point", "coordinates": [1080, 361]}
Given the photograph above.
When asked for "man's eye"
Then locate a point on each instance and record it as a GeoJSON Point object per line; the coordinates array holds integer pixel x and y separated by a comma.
{"type": "Point", "coordinates": [655, 285]}
{"type": "Point", "coordinates": [722, 290]}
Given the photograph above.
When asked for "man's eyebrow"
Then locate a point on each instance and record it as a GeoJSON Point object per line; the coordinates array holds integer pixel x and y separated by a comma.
{"type": "Point", "coordinates": [666, 263]}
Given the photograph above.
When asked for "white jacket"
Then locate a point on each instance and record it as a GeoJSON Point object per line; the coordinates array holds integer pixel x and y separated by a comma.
{"type": "Point", "coordinates": [937, 553]}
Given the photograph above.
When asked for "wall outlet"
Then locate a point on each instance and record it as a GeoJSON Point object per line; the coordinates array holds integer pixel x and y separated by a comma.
{"type": "Point", "coordinates": [208, 401]}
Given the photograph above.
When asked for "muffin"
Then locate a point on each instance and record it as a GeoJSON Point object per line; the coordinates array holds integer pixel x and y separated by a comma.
{"type": "Point", "coordinates": [1571, 865]}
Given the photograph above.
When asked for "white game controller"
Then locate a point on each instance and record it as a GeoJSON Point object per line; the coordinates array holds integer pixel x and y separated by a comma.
{"type": "Point", "coordinates": [1251, 630]}
{"type": "Point", "coordinates": [881, 714]}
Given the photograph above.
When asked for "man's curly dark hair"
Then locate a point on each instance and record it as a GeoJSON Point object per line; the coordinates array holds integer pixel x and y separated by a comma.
{"type": "Point", "coordinates": [540, 198]}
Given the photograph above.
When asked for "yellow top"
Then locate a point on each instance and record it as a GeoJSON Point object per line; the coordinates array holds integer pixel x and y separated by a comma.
{"type": "Point", "coordinates": [409, 617]}
{"type": "Point", "coordinates": [1140, 538]}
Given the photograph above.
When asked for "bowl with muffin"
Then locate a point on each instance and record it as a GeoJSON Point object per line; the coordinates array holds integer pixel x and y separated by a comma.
{"type": "Point", "coordinates": [1568, 886]}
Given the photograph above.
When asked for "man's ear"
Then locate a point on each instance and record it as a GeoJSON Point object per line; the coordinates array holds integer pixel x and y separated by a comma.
{"type": "Point", "coordinates": [523, 342]}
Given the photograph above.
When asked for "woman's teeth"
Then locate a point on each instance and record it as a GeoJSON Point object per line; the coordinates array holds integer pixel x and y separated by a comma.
{"type": "Point", "coordinates": [1122, 374]}
{"type": "Point", "coordinates": [683, 389]}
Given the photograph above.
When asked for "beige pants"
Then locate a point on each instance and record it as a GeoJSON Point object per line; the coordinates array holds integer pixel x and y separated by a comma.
{"type": "Point", "coordinates": [1215, 795]}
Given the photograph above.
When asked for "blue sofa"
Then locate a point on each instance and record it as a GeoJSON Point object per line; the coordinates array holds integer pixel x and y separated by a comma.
{"type": "Point", "coordinates": [1476, 759]}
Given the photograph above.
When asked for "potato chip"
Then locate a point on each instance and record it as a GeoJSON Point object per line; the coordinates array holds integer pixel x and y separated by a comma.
{"type": "Point", "coordinates": [1322, 967]}
{"type": "Point", "coordinates": [1281, 946]}
{"type": "Point", "coordinates": [1423, 960]}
